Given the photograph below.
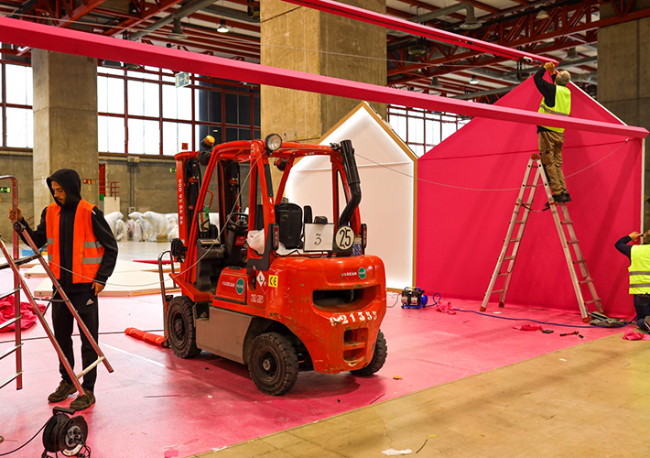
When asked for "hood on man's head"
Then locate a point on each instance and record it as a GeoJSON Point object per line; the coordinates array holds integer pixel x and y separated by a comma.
{"type": "Point", "coordinates": [70, 181]}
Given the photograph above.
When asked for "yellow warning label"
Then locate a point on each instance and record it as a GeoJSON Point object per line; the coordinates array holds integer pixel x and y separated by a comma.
{"type": "Point", "coordinates": [273, 281]}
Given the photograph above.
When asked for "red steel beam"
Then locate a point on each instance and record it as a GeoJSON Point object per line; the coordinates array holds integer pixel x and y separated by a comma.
{"type": "Point", "coordinates": [55, 39]}
{"type": "Point", "coordinates": [383, 20]}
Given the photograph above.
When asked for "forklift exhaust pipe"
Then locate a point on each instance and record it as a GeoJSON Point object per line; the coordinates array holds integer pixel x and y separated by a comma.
{"type": "Point", "coordinates": [354, 182]}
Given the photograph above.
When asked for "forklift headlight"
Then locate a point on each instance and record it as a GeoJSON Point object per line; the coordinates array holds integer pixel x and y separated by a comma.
{"type": "Point", "coordinates": [273, 142]}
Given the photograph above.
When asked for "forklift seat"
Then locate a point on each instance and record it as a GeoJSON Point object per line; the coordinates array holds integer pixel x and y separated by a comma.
{"type": "Point", "coordinates": [288, 216]}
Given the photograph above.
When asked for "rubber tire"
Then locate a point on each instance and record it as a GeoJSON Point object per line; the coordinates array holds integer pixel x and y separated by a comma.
{"type": "Point", "coordinates": [181, 328]}
{"type": "Point", "coordinates": [275, 350]}
{"type": "Point", "coordinates": [378, 358]}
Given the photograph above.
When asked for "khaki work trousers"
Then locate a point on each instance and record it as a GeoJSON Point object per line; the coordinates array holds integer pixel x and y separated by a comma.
{"type": "Point", "coordinates": [550, 149]}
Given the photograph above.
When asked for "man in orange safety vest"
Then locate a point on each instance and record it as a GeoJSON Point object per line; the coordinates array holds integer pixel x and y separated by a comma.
{"type": "Point", "coordinates": [82, 253]}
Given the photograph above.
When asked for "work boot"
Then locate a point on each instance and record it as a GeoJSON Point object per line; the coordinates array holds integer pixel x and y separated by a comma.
{"type": "Point", "coordinates": [566, 197]}
{"type": "Point", "coordinates": [646, 323]}
{"type": "Point", "coordinates": [64, 390]}
{"type": "Point", "coordinates": [83, 402]}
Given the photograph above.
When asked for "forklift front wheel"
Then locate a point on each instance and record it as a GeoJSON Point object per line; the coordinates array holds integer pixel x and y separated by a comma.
{"type": "Point", "coordinates": [378, 358]}
{"type": "Point", "coordinates": [273, 363]}
{"type": "Point", "coordinates": [181, 329]}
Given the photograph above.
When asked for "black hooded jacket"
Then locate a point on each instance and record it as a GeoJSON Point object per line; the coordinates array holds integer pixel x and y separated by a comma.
{"type": "Point", "coordinates": [71, 183]}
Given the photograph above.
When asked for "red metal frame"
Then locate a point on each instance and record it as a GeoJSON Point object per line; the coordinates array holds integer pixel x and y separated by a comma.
{"type": "Point", "coordinates": [79, 43]}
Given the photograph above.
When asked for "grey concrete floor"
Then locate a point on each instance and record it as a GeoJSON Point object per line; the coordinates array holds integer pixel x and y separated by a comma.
{"type": "Point", "coordinates": [592, 400]}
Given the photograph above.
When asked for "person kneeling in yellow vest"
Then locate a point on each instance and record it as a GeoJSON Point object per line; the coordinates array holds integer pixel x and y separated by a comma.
{"type": "Point", "coordinates": [639, 275]}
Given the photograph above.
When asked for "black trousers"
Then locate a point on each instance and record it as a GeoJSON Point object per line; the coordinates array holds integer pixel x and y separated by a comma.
{"type": "Point", "coordinates": [642, 307]}
{"type": "Point", "coordinates": [86, 305]}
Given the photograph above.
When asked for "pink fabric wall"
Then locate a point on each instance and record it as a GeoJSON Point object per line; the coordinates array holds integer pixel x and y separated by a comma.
{"type": "Point", "coordinates": [460, 231]}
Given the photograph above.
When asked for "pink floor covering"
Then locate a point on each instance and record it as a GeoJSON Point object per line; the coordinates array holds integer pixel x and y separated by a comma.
{"type": "Point", "coordinates": [155, 403]}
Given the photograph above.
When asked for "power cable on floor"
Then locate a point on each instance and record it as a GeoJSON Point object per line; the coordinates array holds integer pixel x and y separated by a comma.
{"type": "Point", "coordinates": [33, 437]}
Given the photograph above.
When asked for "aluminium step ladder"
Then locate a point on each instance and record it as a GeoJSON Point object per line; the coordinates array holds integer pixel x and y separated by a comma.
{"type": "Point", "coordinates": [14, 263]}
{"type": "Point", "coordinates": [564, 225]}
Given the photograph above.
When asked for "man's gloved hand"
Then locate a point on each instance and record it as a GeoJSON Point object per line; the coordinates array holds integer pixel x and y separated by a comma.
{"type": "Point", "coordinates": [550, 67]}
{"type": "Point", "coordinates": [634, 236]}
{"type": "Point", "coordinates": [15, 215]}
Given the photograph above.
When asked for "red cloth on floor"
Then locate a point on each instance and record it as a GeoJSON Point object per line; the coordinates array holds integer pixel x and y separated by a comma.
{"type": "Point", "coordinates": [529, 327]}
{"type": "Point", "coordinates": [633, 335]}
{"type": "Point", "coordinates": [7, 313]}
{"type": "Point", "coordinates": [445, 309]}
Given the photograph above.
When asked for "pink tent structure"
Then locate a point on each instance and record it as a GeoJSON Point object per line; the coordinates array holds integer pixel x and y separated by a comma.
{"type": "Point", "coordinates": [466, 194]}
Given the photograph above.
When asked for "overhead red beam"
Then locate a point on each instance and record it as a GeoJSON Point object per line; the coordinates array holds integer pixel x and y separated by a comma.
{"type": "Point", "coordinates": [382, 20]}
{"type": "Point", "coordinates": [41, 36]}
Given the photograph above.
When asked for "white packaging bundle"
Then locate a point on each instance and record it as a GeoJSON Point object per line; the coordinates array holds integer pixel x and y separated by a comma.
{"type": "Point", "coordinates": [120, 230]}
{"type": "Point", "coordinates": [112, 219]}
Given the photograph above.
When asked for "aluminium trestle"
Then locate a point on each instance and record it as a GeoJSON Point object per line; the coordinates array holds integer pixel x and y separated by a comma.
{"type": "Point", "coordinates": [564, 225]}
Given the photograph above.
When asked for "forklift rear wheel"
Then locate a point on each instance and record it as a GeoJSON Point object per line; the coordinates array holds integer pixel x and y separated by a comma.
{"type": "Point", "coordinates": [273, 363]}
{"type": "Point", "coordinates": [378, 358]}
{"type": "Point", "coordinates": [181, 329]}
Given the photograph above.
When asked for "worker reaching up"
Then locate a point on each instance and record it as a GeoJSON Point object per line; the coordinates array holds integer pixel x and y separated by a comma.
{"type": "Point", "coordinates": [639, 275]}
{"type": "Point", "coordinates": [556, 100]}
{"type": "Point", "coordinates": [82, 252]}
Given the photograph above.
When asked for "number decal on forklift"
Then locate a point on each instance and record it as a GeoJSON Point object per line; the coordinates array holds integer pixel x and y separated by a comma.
{"type": "Point", "coordinates": [273, 281]}
{"type": "Point", "coordinates": [257, 299]}
{"type": "Point", "coordinates": [360, 316]}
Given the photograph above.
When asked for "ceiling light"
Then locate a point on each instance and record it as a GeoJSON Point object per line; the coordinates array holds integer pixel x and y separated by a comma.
{"type": "Point", "coordinates": [223, 28]}
{"type": "Point", "coordinates": [417, 50]}
{"type": "Point", "coordinates": [470, 21]}
{"type": "Point", "coordinates": [541, 15]}
{"type": "Point", "coordinates": [177, 31]}
{"type": "Point", "coordinates": [473, 81]}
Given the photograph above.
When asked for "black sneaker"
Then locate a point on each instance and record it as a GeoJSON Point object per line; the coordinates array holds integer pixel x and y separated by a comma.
{"type": "Point", "coordinates": [566, 197]}
{"type": "Point", "coordinates": [64, 390]}
{"type": "Point", "coordinates": [83, 402]}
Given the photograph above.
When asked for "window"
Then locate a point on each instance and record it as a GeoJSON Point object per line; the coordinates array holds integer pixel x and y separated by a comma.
{"type": "Point", "coordinates": [421, 130]}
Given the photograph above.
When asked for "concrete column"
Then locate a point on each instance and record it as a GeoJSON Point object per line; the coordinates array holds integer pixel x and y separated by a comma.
{"type": "Point", "coordinates": [623, 76]}
{"type": "Point", "coordinates": [65, 122]}
{"type": "Point", "coordinates": [299, 38]}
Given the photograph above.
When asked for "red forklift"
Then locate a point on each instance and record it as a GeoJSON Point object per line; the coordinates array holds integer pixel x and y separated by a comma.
{"type": "Point", "coordinates": [272, 286]}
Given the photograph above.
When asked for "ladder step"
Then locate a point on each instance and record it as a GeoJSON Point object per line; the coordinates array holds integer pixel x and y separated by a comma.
{"type": "Point", "coordinates": [497, 291]}
{"type": "Point", "coordinates": [519, 222]}
{"type": "Point", "coordinates": [566, 223]}
{"type": "Point", "coordinates": [508, 258]}
{"type": "Point", "coordinates": [10, 379]}
{"type": "Point", "coordinates": [589, 280]}
{"type": "Point", "coordinates": [20, 261]}
{"type": "Point", "coordinates": [9, 323]}
{"type": "Point", "coordinates": [580, 261]}
{"type": "Point", "coordinates": [503, 274]}
{"type": "Point", "coordinates": [10, 351]}
{"type": "Point", "coordinates": [515, 240]}
{"type": "Point", "coordinates": [591, 302]}
{"type": "Point", "coordinates": [7, 294]}
{"type": "Point", "coordinates": [573, 242]}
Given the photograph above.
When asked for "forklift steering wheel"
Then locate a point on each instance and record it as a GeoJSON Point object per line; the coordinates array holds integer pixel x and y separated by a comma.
{"type": "Point", "coordinates": [240, 216]}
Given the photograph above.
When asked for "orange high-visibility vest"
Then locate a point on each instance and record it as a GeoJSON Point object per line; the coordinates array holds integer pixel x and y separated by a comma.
{"type": "Point", "coordinates": [87, 252]}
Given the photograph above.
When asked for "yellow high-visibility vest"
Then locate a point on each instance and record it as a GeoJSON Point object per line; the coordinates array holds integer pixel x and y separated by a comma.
{"type": "Point", "coordinates": [640, 270]}
{"type": "Point", "coordinates": [562, 106]}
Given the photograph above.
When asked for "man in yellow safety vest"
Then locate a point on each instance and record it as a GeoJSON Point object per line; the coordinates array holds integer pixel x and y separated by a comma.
{"type": "Point", "coordinates": [556, 100]}
{"type": "Point", "coordinates": [639, 275]}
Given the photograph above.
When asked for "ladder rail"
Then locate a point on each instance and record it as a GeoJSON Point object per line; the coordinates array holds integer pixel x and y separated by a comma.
{"type": "Point", "coordinates": [520, 234]}
{"type": "Point", "coordinates": [42, 320]}
{"type": "Point", "coordinates": [511, 228]}
{"type": "Point", "coordinates": [18, 376]}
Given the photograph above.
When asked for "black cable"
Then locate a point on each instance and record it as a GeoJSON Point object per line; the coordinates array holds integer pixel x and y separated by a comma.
{"type": "Point", "coordinates": [537, 321]}
{"type": "Point", "coordinates": [397, 296]}
{"type": "Point", "coordinates": [33, 437]}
